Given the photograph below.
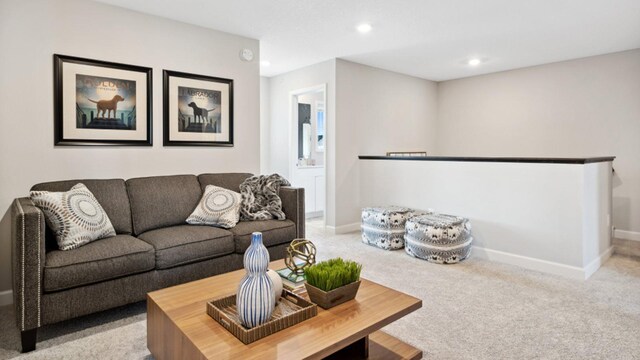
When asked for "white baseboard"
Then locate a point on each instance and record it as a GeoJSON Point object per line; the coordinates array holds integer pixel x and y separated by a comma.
{"type": "Point", "coordinates": [593, 266]}
{"type": "Point", "coordinates": [546, 266]}
{"type": "Point", "coordinates": [626, 235]}
{"type": "Point", "coordinates": [6, 297]}
{"type": "Point", "coordinates": [314, 214]}
{"type": "Point", "coordinates": [344, 229]}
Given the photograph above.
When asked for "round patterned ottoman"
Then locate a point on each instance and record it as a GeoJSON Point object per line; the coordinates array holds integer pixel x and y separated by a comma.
{"type": "Point", "coordinates": [438, 238]}
{"type": "Point", "coordinates": [383, 227]}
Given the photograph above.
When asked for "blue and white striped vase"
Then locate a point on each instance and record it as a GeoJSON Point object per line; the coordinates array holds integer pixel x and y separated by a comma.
{"type": "Point", "coordinates": [255, 299]}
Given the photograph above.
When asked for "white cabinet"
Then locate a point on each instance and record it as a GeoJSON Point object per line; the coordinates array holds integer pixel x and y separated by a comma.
{"type": "Point", "coordinates": [312, 180]}
{"type": "Point", "coordinates": [309, 185]}
{"type": "Point", "coordinates": [319, 193]}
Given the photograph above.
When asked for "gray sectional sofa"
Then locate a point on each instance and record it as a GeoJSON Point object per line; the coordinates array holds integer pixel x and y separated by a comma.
{"type": "Point", "coordinates": [154, 247]}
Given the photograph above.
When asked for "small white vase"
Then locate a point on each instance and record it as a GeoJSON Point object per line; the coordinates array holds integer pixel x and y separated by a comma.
{"type": "Point", "coordinates": [276, 280]}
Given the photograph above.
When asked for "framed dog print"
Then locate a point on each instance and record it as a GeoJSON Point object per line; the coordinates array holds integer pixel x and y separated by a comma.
{"type": "Point", "coordinates": [101, 103]}
{"type": "Point", "coordinates": [198, 110]}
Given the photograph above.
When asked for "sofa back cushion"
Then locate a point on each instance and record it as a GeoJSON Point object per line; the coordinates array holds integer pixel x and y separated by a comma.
{"type": "Point", "coordinates": [111, 194]}
{"type": "Point", "coordinates": [229, 181]}
{"type": "Point", "coordinates": [161, 201]}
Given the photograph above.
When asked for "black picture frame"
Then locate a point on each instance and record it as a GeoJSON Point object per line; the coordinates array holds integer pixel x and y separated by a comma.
{"type": "Point", "coordinates": [169, 121]}
{"type": "Point", "coordinates": [59, 101]}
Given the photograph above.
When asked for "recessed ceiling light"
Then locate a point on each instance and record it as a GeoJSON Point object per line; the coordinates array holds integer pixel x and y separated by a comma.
{"type": "Point", "coordinates": [265, 63]}
{"type": "Point", "coordinates": [364, 28]}
{"type": "Point", "coordinates": [474, 62]}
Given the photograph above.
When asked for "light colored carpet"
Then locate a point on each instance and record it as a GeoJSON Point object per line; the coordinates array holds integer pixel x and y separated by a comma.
{"type": "Point", "coordinates": [473, 310]}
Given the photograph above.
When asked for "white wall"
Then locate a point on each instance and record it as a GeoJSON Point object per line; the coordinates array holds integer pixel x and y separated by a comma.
{"type": "Point", "coordinates": [281, 128]}
{"type": "Point", "coordinates": [32, 31]}
{"type": "Point", "coordinates": [577, 108]}
{"type": "Point", "coordinates": [265, 124]}
{"type": "Point", "coordinates": [369, 111]}
{"type": "Point", "coordinates": [584, 107]}
{"type": "Point", "coordinates": [546, 217]}
{"type": "Point", "coordinates": [279, 92]}
{"type": "Point", "coordinates": [377, 111]}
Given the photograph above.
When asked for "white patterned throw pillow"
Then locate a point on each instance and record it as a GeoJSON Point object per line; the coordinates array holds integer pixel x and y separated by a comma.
{"type": "Point", "coordinates": [75, 216]}
{"type": "Point", "coordinates": [218, 207]}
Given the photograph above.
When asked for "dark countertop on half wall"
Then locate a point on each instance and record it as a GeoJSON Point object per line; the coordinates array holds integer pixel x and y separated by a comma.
{"type": "Point", "coordinates": [543, 160]}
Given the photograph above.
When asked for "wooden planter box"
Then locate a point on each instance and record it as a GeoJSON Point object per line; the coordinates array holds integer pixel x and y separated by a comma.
{"type": "Point", "coordinates": [329, 299]}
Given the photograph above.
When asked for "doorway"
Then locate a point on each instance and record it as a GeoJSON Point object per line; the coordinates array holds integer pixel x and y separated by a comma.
{"type": "Point", "coordinates": [307, 160]}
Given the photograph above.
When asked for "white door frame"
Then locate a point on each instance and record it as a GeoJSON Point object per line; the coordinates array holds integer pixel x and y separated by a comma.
{"type": "Point", "coordinates": [293, 135]}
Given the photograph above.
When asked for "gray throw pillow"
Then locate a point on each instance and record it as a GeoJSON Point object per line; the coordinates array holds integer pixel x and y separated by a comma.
{"type": "Point", "coordinates": [75, 216]}
{"type": "Point", "coordinates": [218, 207]}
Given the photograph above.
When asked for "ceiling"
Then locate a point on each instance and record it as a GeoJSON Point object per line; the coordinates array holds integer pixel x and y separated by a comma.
{"type": "Point", "coordinates": [431, 39]}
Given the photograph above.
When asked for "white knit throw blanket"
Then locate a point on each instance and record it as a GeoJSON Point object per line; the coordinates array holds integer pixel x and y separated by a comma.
{"type": "Point", "coordinates": [260, 200]}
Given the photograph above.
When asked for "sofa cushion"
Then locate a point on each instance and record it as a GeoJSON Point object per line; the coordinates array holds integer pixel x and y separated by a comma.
{"type": "Point", "coordinates": [218, 207]}
{"type": "Point", "coordinates": [183, 244]}
{"type": "Point", "coordinates": [97, 261]}
{"type": "Point", "coordinates": [229, 181]}
{"type": "Point", "coordinates": [274, 232]}
{"type": "Point", "coordinates": [111, 194]}
{"type": "Point", "coordinates": [75, 216]}
{"type": "Point", "coordinates": [162, 201]}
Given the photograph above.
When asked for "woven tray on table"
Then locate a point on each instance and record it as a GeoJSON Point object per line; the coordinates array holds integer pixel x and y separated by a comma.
{"type": "Point", "coordinates": [290, 310]}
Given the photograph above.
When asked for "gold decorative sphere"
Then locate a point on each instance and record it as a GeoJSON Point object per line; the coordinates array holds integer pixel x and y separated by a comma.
{"type": "Point", "coordinates": [301, 254]}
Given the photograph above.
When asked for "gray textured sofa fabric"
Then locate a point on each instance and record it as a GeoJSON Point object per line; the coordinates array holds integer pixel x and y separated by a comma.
{"type": "Point", "coordinates": [293, 207]}
{"type": "Point", "coordinates": [162, 201]}
{"type": "Point", "coordinates": [228, 181]}
{"type": "Point", "coordinates": [28, 258]}
{"type": "Point", "coordinates": [183, 244]}
{"type": "Point", "coordinates": [97, 261]}
{"type": "Point", "coordinates": [153, 248]}
{"type": "Point", "coordinates": [274, 232]}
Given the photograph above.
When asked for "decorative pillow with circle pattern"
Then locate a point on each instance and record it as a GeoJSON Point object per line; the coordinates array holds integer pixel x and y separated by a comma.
{"type": "Point", "coordinates": [218, 207]}
{"type": "Point", "coordinates": [75, 216]}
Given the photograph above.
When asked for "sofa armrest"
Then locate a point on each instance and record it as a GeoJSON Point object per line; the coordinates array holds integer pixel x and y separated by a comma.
{"type": "Point", "coordinates": [293, 207]}
{"type": "Point", "coordinates": [28, 252]}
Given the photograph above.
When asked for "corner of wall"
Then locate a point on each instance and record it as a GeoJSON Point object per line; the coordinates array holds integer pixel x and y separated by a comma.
{"type": "Point", "coordinates": [265, 124]}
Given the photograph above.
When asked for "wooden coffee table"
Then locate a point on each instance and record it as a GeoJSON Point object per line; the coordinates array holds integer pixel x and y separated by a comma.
{"type": "Point", "coordinates": [178, 326]}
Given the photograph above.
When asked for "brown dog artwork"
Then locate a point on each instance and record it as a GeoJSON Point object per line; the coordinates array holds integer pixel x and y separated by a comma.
{"type": "Point", "coordinates": [105, 107]}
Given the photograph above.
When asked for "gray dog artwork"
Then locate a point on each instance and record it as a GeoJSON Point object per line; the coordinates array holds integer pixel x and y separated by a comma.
{"type": "Point", "coordinates": [198, 110]}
